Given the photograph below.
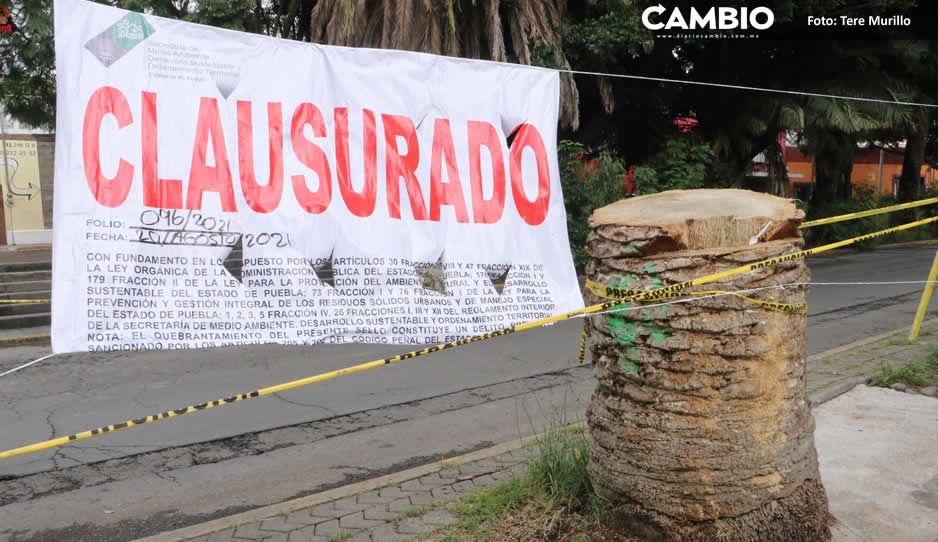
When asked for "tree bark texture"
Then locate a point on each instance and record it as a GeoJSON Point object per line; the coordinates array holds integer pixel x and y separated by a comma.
{"type": "Point", "coordinates": [700, 423]}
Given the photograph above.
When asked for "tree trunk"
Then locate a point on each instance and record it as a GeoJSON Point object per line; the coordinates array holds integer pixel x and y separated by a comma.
{"type": "Point", "coordinates": [778, 172]}
{"type": "Point", "coordinates": [833, 153]}
{"type": "Point", "coordinates": [910, 187]}
{"type": "Point", "coordinates": [701, 427]}
{"type": "Point", "coordinates": [845, 185]}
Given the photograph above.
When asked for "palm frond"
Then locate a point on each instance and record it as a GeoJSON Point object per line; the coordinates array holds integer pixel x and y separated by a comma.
{"type": "Point", "coordinates": [790, 117]}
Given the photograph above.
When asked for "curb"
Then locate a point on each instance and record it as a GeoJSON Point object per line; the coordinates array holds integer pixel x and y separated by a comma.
{"type": "Point", "coordinates": [286, 507]}
{"type": "Point", "coordinates": [868, 340]}
{"type": "Point", "coordinates": [921, 243]}
{"type": "Point", "coordinates": [826, 394]}
{"type": "Point", "coordinates": [44, 339]}
{"type": "Point", "coordinates": [26, 248]}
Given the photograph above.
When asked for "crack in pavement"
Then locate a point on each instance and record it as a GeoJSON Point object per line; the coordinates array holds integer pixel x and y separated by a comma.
{"type": "Point", "coordinates": [165, 475]}
{"type": "Point", "coordinates": [135, 398]}
{"type": "Point", "coordinates": [364, 473]}
{"type": "Point", "coordinates": [58, 453]}
{"type": "Point", "coordinates": [49, 423]}
{"type": "Point", "coordinates": [11, 406]}
{"type": "Point", "coordinates": [302, 404]}
{"type": "Point", "coordinates": [159, 462]}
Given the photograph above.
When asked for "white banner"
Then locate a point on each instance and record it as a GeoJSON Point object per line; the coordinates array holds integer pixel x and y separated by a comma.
{"type": "Point", "coordinates": [341, 173]}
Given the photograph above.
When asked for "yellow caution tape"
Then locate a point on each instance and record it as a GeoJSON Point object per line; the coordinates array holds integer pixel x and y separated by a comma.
{"type": "Point", "coordinates": [611, 292]}
{"type": "Point", "coordinates": [616, 292]}
{"type": "Point", "coordinates": [870, 212]}
{"type": "Point", "coordinates": [25, 301]}
{"type": "Point", "coordinates": [581, 354]}
{"type": "Point", "coordinates": [643, 296]}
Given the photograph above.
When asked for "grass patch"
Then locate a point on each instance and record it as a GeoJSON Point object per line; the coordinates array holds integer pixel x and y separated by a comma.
{"type": "Point", "coordinates": [921, 373]}
{"type": "Point", "coordinates": [553, 500]}
{"type": "Point", "coordinates": [482, 510]}
{"type": "Point", "coordinates": [558, 469]}
{"type": "Point", "coordinates": [414, 511]}
{"type": "Point", "coordinates": [899, 341]}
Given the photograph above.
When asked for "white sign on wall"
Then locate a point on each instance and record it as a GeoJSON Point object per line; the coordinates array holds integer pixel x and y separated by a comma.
{"type": "Point", "coordinates": [339, 172]}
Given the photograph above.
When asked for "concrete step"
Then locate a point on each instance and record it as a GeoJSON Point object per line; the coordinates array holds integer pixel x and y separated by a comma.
{"type": "Point", "coordinates": [24, 309]}
{"type": "Point", "coordinates": [27, 294]}
{"type": "Point", "coordinates": [17, 321]}
{"type": "Point", "coordinates": [33, 280]}
{"type": "Point", "coordinates": [15, 267]}
{"type": "Point", "coordinates": [24, 335]}
{"type": "Point", "coordinates": [23, 276]}
{"type": "Point", "coordinates": [10, 288]}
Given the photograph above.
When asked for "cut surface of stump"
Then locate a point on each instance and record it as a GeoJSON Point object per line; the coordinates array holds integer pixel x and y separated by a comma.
{"type": "Point", "coordinates": [700, 423]}
{"type": "Point", "coordinates": [701, 219]}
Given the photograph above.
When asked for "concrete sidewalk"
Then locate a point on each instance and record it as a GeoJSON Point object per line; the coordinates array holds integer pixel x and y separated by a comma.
{"type": "Point", "coordinates": [878, 451]}
{"type": "Point", "coordinates": [880, 488]}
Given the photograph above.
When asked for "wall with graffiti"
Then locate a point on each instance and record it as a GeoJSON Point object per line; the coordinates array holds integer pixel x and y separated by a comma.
{"type": "Point", "coordinates": [26, 189]}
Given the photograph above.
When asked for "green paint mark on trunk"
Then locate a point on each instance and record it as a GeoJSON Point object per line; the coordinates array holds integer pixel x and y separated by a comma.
{"type": "Point", "coordinates": [627, 333]}
{"type": "Point", "coordinates": [623, 331]}
{"type": "Point", "coordinates": [628, 366]}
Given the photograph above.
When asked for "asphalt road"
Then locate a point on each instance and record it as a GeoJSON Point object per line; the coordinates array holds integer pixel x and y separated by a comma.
{"type": "Point", "coordinates": [130, 483]}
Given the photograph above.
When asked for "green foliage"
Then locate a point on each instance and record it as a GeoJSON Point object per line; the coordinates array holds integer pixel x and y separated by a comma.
{"type": "Point", "coordinates": [234, 14]}
{"type": "Point", "coordinates": [608, 37]}
{"type": "Point", "coordinates": [341, 535]}
{"type": "Point", "coordinates": [682, 164]}
{"type": "Point", "coordinates": [922, 372]}
{"type": "Point", "coordinates": [585, 190]}
{"type": "Point", "coordinates": [921, 233]}
{"type": "Point", "coordinates": [480, 511]}
{"type": "Point", "coordinates": [27, 64]}
{"type": "Point", "coordinates": [864, 198]}
{"type": "Point", "coordinates": [854, 117]}
{"type": "Point", "coordinates": [556, 478]}
{"type": "Point", "coordinates": [558, 469]}
{"type": "Point", "coordinates": [547, 55]}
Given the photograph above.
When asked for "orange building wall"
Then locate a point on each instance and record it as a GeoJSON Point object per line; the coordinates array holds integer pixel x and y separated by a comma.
{"type": "Point", "coordinates": [803, 169]}
{"type": "Point", "coordinates": [864, 173]}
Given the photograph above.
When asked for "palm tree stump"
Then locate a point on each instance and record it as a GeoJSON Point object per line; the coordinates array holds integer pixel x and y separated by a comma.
{"type": "Point", "coordinates": [701, 427]}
